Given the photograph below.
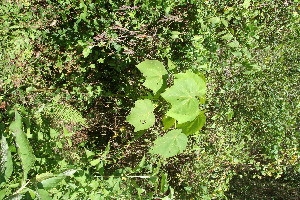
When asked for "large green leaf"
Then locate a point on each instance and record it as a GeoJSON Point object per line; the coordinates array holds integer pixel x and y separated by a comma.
{"type": "Point", "coordinates": [25, 151]}
{"type": "Point", "coordinates": [52, 182]}
{"type": "Point", "coordinates": [49, 180]}
{"type": "Point", "coordinates": [6, 164]}
{"type": "Point", "coordinates": [182, 96]}
{"type": "Point", "coordinates": [194, 126]}
{"type": "Point", "coordinates": [142, 116]}
{"type": "Point", "coordinates": [154, 71]}
{"type": "Point", "coordinates": [201, 85]}
{"type": "Point", "coordinates": [171, 144]}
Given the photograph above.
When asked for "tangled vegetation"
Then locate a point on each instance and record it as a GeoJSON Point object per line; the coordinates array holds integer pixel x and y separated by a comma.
{"type": "Point", "coordinates": [152, 99]}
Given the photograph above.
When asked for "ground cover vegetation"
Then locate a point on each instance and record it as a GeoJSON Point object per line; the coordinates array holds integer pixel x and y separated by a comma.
{"type": "Point", "coordinates": [152, 99]}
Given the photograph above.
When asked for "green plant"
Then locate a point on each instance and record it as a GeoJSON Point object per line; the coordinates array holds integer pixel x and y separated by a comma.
{"type": "Point", "coordinates": [24, 183]}
{"type": "Point", "coordinates": [185, 97]}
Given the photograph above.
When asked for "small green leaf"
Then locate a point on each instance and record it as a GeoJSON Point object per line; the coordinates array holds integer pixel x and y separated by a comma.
{"type": "Point", "coordinates": [237, 53]}
{"type": "Point", "coordinates": [142, 116]}
{"type": "Point", "coordinates": [164, 183]}
{"type": "Point", "coordinates": [154, 71]}
{"type": "Point", "coordinates": [224, 22]}
{"type": "Point", "coordinates": [246, 4]}
{"type": "Point", "coordinates": [192, 127]}
{"type": "Point", "coordinates": [228, 36]}
{"type": "Point", "coordinates": [175, 34]}
{"type": "Point", "coordinates": [234, 44]}
{"type": "Point", "coordinates": [230, 114]}
{"type": "Point", "coordinates": [92, 66]}
{"type": "Point", "coordinates": [172, 143]}
{"type": "Point", "coordinates": [25, 151]}
{"type": "Point", "coordinates": [140, 165]}
{"type": "Point", "coordinates": [214, 20]}
{"type": "Point", "coordinates": [89, 154]}
{"type": "Point", "coordinates": [30, 89]}
{"type": "Point", "coordinates": [86, 52]}
{"type": "Point", "coordinates": [43, 176]}
{"type": "Point", "coordinates": [95, 162]}
{"type": "Point", "coordinates": [53, 133]}
{"type": "Point", "coordinates": [168, 122]}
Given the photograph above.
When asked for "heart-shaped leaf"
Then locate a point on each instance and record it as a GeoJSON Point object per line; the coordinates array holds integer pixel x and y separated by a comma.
{"type": "Point", "coordinates": [182, 96]}
{"type": "Point", "coordinates": [154, 71]}
{"type": "Point", "coordinates": [142, 116]}
{"type": "Point", "coordinates": [172, 143]}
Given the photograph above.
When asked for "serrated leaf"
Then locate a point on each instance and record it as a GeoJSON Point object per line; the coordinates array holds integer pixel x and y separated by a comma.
{"type": "Point", "coordinates": [25, 151]}
{"type": "Point", "coordinates": [182, 96]}
{"type": "Point", "coordinates": [141, 116]}
{"type": "Point", "coordinates": [6, 164]}
{"type": "Point", "coordinates": [52, 182]}
{"type": "Point", "coordinates": [172, 143]}
{"type": "Point", "coordinates": [153, 70]}
{"type": "Point", "coordinates": [49, 180]}
{"type": "Point", "coordinates": [171, 65]}
{"type": "Point", "coordinates": [194, 126]}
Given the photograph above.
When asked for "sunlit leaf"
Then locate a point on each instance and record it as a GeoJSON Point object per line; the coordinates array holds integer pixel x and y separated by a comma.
{"type": "Point", "coordinates": [25, 151]}
{"type": "Point", "coordinates": [86, 52]}
{"type": "Point", "coordinates": [168, 122]}
{"type": "Point", "coordinates": [172, 143]}
{"type": "Point", "coordinates": [154, 71]}
{"type": "Point", "coordinates": [142, 116]}
{"type": "Point", "coordinates": [194, 126]}
{"type": "Point", "coordinates": [246, 3]}
{"type": "Point", "coordinates": [234, 44]}
{"type": "Point", "coordinates": [49, 180]}
{"type": "Point", "coordinates": [214, 20]}
{"type": "Point", "coordinates": [182, 96]}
